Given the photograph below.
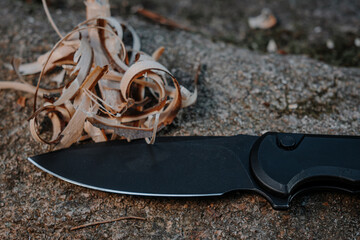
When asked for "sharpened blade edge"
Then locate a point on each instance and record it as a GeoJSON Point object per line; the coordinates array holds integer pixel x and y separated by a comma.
{"type": "Point", "coordinates": [120, 192]}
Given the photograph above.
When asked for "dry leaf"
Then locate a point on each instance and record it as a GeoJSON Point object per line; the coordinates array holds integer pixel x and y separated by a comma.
{"type": "Point", "coordinates": [21, 101]}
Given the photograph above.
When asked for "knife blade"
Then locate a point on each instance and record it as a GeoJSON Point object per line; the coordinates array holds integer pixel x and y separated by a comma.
{"type": "Point", "coordinates": [278, 166]}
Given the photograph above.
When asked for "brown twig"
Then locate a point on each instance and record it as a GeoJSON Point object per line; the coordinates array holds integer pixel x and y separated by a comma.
{"type": "Point", "coordinates": [107, 221]}
{"type": "Point", "coordinates": [161, 19]}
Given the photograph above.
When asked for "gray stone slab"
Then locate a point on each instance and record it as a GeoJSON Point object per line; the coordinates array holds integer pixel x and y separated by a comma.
{"type": "Point", "coordinates": [239, 92]}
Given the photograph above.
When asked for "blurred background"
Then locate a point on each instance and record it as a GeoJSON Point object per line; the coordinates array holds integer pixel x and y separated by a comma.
{"type": "Point", "coordinates": [326, 30]}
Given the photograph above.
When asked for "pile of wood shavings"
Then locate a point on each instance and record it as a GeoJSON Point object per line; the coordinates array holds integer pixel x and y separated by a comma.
{"type": "Point", "coordinates": [112, 89]}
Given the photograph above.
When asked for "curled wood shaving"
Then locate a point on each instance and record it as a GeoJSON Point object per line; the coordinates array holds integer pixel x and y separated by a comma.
{"type": "Point", "coordinates": [26, 87]}
{"type": "Point", "coordinates": [109, 87]}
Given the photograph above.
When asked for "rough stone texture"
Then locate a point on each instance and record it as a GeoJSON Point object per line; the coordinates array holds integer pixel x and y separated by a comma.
{"type": "Point", "coordinates": [303, 27]}
{"type": "Point", "coordinates": [239, 92]}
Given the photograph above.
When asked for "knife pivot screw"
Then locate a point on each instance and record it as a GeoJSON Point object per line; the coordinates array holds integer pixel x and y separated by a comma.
{"type": "Point", "coordinates": [287, 142]}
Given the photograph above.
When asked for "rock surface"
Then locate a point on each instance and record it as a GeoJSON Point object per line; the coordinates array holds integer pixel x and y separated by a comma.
{"type": "Point", "coordinates": [239, 92]}
{"type": "Point", "coordinates": [325, 30]}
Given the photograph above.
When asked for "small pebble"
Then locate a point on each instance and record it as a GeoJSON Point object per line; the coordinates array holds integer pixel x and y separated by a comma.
{"type": "Point", "coordinates": [271, 47]}
{"type": "Point", "coordinates": [293, 106]}
{"type": "Point", "coordinates": [330, 44]}
{"type": "Point", "coordinates": [357, 42]}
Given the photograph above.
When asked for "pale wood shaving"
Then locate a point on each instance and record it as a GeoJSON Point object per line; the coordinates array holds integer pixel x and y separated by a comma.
{"type": "Point", "coordinates": [265, 20]}
{"type": "Point", "coordinates": [25, 87]}
{"type": "Point", "coordinates": [95, 133]}
{"type": "Point", "coordinates": [109, 87]}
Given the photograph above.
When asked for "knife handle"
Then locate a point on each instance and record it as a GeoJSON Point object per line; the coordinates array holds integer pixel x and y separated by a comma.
{"type": "Point", "coordinates": [286, 164]}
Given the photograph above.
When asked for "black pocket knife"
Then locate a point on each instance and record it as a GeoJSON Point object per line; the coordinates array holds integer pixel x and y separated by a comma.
{"type": "Point", "coordinates": [276, 165]}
